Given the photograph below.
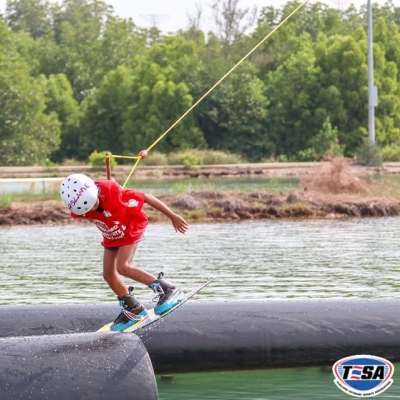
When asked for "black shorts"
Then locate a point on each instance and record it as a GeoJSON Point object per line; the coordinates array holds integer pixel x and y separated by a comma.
{"type": "Point", "coordinates": [112, 248]}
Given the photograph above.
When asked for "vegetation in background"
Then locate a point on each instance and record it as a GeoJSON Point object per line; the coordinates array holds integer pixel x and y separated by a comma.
{"type": "Point", "coordinates": [97, 160]}
{"type": "Point", "coordinates": [335, 178]}
{"type": "Point", "coordinates": [192, 157]}
{"type": "Point", "coordinates": [391, 153]}
{"type": "Point", "coordinates": [323, 146]}
{"type": "Point", "coordinates": [369, 154]}
{"type": "Point", "coordinates": [6, 200]}
{"type": "Point", "coordinates": [76, 78]}
{"type": "Point", "coordinates": [335, 181]}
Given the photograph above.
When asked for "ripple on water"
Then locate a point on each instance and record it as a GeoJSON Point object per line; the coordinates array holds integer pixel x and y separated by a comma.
{"type": "Point", "coordinates": [251, 260]}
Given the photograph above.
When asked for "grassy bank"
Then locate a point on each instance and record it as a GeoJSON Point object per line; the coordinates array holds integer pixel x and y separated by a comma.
{"type": "Point", "coordinates": [387, 186]}
{"type": "Point", "coordinates": [336, 191]}
{"type": "Point", "coordinates": [176, 187]}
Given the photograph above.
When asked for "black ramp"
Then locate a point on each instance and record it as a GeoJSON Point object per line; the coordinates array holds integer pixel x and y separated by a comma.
{"type": "Point", "coordinates": [272, 334]}
{"type": "Point", "coordinates": [80, 366]}
{"type": "Point", "coordinates": [55, 319]}
{"type": "Point", "coordinates": [216, 335]}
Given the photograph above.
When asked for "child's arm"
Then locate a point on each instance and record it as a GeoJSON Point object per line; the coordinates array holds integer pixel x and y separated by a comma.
{"type": "Point", "coordinates": [178, 222]}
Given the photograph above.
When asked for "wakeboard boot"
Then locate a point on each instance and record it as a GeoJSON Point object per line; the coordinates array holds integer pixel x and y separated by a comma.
{"type": "Point", "coordinates": [167, 294]}
{"type": "Point", "coordinates": [132, 312]}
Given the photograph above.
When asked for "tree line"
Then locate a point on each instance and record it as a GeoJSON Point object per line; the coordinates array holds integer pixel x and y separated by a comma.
{"type": "Point", "coordinates": [75, 78]}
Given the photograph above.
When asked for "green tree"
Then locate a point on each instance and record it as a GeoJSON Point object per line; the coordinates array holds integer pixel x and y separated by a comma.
{"type": "Point", "coordinates": [306, 24]}
{"type": "Point", "coordinates": [159, 99]}
{"type": "Point", "coordinates": [78, 26]}
{"type": "Point", "coordinates": [120, 43]}
{"type": "Point", "coordinates": [386, 72]}
{"type": "Point", "coordinates": [325, 145]}
{"type": "Point", "coordinates": [29, 16]}
{"type": "Point", "coordinates": [343, 86]}
{"type": "Point", "coordinates": [233, 116]}
{"type": "Point", "coordinates": [60, 100]}
{"type": "Point", "coordinates": [292, 90]}
{"type": "Point", "coordinates": [104, 111]}
{"type": "Point", "coordinates": [28, 134]}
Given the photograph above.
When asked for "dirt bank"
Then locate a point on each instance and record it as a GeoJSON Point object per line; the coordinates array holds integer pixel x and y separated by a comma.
{"type": "Point", "coordinates": [210, 206]}
{"type": "Point", "coordinates": [311, 201]}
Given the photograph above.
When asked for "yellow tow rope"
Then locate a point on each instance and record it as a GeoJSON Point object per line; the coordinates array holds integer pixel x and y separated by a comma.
{"type": "Point", "coordinates": [143, 153]}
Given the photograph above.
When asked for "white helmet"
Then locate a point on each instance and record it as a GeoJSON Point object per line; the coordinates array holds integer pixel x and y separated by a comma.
{"type": "Point", "coordinates": [79, 193]}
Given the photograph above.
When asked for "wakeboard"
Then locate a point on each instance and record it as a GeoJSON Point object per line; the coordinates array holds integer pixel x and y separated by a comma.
{"type": "Point", "coordinates": [151, 317]}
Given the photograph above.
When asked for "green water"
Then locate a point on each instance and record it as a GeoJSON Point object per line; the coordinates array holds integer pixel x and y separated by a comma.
{"type": "Point", "coordinates": [50, 186]}
{"type": "Point", "coordinates": [279, 384]}
{"type": "Point", "coordinates": [272, 185]}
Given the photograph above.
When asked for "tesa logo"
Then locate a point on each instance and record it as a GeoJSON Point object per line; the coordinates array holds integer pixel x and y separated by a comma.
{"type": "Point", "coordinates": [363, 375]}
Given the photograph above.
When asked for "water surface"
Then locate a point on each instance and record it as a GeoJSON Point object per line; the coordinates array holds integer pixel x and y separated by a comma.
{"type": "Point", "coordinates": [279, 384]}
{"type": "Point", "coordinates": [250, 260]}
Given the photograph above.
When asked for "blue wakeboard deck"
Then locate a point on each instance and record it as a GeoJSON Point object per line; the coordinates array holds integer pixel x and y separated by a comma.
{"type": "Point", "coordinates": [151, 317]}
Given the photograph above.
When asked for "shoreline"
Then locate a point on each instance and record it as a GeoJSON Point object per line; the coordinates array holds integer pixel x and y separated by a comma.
{"type": "Point", "coordinates": [210, 206]}
{"type": "Point", "coordinates": [311, 201]}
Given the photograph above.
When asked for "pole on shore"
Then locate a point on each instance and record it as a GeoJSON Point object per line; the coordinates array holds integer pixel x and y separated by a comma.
{"type": "Point", "coordinates": [372, 89]}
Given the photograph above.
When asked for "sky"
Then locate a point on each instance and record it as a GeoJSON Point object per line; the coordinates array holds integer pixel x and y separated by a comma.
{"type": "Point", "coordinates": [171, 15]}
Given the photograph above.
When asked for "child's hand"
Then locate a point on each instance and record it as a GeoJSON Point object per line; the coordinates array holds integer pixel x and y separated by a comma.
{"type": "Point", "coordinates": [179, 223]}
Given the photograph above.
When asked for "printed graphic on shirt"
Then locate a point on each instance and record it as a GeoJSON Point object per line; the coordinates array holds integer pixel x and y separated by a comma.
{"type": "Point", "coordinates": [132, 203]}
{"type": "Point", "coordinates": [114, 233]}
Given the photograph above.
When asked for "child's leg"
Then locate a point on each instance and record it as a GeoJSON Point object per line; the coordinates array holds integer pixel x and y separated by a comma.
{"type": "Point", "coordinates": [124, 267]}
{"type": "Point", "coordinates": [119, 262]}
{"type": "Point", "coordinates": [132, 310]}
{"type": "Point", "coordinates": [110, 273]}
